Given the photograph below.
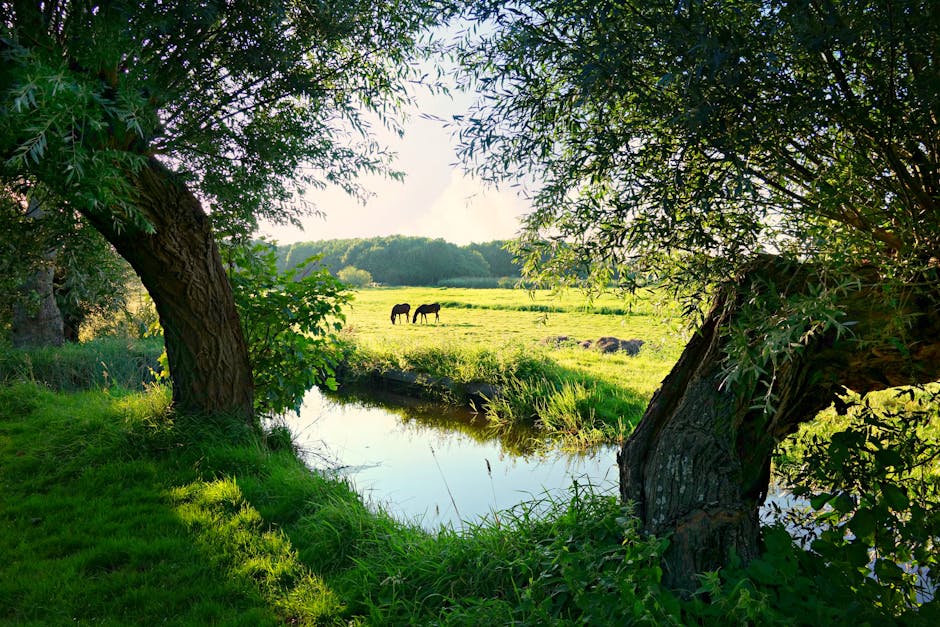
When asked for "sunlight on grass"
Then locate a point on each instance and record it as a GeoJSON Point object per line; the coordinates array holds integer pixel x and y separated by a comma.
{"type": "Point", "coordinates": [231, 533]}
{"type": "Point", "coordinates": [89, 533]}
{"type": "Point", "coordinates": [501, 337]}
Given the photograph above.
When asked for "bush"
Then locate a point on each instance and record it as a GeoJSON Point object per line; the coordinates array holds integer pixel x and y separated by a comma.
{"type": "Point", "coordinates": [508, 282]}
{"type": "Point", "coordinates": [877, 477]}
{"type": "Point", "coordinates": [354, 277]}
{"type": "Point", "coordinates": [288, 322]}
{"type": "Point", "coordinates": [136, 320]}
{"type": "Point", "coordinates": [468, 282]}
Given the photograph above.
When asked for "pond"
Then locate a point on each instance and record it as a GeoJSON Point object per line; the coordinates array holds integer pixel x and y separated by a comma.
{"type": "Point", "coordinates": [436, 465]}
{"type": "Point", "coordinates": [433, 465]}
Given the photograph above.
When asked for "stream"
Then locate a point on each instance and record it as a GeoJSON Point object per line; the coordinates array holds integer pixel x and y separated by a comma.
{"type": "Point", "coordinates": [436, 465]}
{"type": "Point", "coordinates": [433, 465]}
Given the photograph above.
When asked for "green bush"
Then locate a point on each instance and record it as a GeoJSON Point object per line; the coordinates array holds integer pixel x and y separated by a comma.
{"type": "Point", "coordinates": [873, 489]}
{"type": "Point", "coordinates": [289, 318]}
{"type": "Point", "coordinates": [136, 319]}
{"type": "Point", "coordinates": [354, 277]}
{"type": "Point", "coordinates": [470, 282]}
{"type": "Point", "coordinates": [480, 282]}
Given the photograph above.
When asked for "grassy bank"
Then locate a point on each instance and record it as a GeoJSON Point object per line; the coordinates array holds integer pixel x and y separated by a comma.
{"type": "Point", "coordinates": [116, 511]}
{"type": "Point", "coordinates": [500, 337]}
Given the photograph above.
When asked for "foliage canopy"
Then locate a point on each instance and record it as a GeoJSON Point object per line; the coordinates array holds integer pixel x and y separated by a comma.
{"type": "Point", "coordinates": [250, 100]}
{"type": "Point", "coordinates": [401, 260]}
{"type": "Point", "coordinates": [682, 139]}
{"type": "Point", "coordinates": [146, 116]}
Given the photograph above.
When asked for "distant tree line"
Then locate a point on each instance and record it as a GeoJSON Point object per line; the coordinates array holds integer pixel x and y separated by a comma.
{"type": "Point", "coordinates": [401, 260]}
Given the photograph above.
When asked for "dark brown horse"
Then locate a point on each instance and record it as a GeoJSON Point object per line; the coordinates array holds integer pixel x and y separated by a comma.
{"type": "Point", "coordinates": [400, 310]}
{"type": "Point", "coordinates": [424, 310]}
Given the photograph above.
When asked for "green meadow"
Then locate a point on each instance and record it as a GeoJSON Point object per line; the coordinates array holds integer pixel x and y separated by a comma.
{"type": "Point", "coordinates": [115, 510]}
{"type": "Point", "coordinates": [502, 337]}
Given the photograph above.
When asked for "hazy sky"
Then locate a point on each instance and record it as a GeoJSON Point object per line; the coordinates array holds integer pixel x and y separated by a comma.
{"type": "Point", "coordinates": [435, 200]}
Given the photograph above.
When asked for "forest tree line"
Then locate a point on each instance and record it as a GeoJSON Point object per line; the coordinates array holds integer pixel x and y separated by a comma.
{"type": "Point", "coordinates": [403, 260]}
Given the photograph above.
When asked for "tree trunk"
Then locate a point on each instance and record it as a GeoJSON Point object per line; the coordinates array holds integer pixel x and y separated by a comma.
{"type": "Point", "coordinates": [39, 323]}
{"type": "Point", "coordinates": [697, 467]}
{"type": "Point", "coordinates": [180, 266]}
{"type": "Point", "coordinates": [37, 320]}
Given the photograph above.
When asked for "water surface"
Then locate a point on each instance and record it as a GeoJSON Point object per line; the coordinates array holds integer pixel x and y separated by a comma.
{"type": "Point", "coordinates": [434, 465]}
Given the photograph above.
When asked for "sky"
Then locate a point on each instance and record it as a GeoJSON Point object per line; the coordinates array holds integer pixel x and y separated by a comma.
{"type": "Point", "coordinates": [435, 200]}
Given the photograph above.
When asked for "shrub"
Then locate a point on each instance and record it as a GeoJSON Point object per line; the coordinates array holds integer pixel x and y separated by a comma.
{"type": "Point", "coordinates": [877, 477]}
{"type": "Point", "coordinates": [288, 322]}
{"type": "Point", "coordinates": [469, 282]}
{"type": "Point", "coordinates": [354, 277]}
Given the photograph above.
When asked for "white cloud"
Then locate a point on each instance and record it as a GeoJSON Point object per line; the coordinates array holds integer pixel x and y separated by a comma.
{"type": "Point", "coordinates": [435, 200]}
{"type": "Point", "coordinates": [468, 211]}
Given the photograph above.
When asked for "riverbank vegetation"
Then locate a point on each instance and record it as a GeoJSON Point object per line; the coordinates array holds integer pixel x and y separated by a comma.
{"type": "Point", "coordinates": [116, 509]}
{"type": "Point", "coordinates": [526, 345]}
{"type": "Point", "coordinates": [400, 260]}
{"type": "Point", "coordinates": [808, 224]}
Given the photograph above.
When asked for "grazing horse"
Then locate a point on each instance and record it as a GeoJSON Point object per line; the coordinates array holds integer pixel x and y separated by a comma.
{"type": "Point", "coordinates": [400, 310]}
{"type": "Point", "coordinates": [424, 310]}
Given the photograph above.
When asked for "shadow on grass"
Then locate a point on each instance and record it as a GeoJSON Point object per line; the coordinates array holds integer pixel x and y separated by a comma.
{"type": "Point", "coordinates": [113, 510]}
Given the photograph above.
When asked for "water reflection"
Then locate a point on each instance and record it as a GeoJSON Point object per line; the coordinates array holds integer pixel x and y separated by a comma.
{"type": "Point", "coordinates": [438, 465]}
{"type": "Point", "coordinates": [434, 465]}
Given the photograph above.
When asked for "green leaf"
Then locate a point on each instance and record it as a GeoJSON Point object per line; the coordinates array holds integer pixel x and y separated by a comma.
{"type": "Point", "coordinates": [896, 498]}
{"type": "Point", "coordinates": [889, 458]}
{"type": "Point", "coordinates": [863, 524]}
{"type": "Point", "coordinates": [844, 503]}
{"type": "Point", "coordinates": [820, 501]}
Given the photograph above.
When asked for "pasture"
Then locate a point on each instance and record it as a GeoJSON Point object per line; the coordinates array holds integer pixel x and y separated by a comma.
{"type": "Point", "coordinates": [498, 336]}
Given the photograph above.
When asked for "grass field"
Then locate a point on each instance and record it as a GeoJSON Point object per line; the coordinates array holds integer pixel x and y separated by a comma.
{"type": "Point", "coordinates": [116, 510]}
{"type": "Point", "coordinates": [498, 336]}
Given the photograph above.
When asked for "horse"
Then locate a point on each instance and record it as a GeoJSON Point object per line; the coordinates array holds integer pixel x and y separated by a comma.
{"type": "Point", "coordinates": [401, 309]}
{"type": "Point", "coordinates": [424, 310]}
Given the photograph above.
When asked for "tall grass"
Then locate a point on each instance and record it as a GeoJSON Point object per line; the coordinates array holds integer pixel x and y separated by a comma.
{"type": "Point", "coordinates": [577, 560]}
{"type": "Point", "coordinates": [99, 363]}
{"type": "Point", "coordinates": [578, 396]}
{"type": "Point", "coordinates": [572, 405]}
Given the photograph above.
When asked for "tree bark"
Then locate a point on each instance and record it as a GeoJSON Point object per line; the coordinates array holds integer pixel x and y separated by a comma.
{"type": "Point", "coordinates": [697, 467]}
{"type": "Point", "coordinates": [39, 323]}
{"type": "Point", "coordinates": [180, 266]}
{"type": "Point", "coordinates": [37, 320]}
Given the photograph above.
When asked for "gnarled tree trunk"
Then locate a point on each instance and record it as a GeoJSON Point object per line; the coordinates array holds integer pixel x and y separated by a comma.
{"type": "Point", "coordinates": [697, 467]}
{"type": "Point", "coordinates": [37, 320]}
{"type": "Point", "coordinates": [180, 266]}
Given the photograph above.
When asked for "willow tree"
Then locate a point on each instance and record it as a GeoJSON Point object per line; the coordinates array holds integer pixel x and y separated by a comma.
{"type": "Point", "coordinates": [149, 116]}
{"type": "Point", "coordinates": [778, 157]}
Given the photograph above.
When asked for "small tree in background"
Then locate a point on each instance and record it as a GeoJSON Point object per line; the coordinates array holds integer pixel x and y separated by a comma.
{"type": "Point", "coordinates": [354, 277]}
